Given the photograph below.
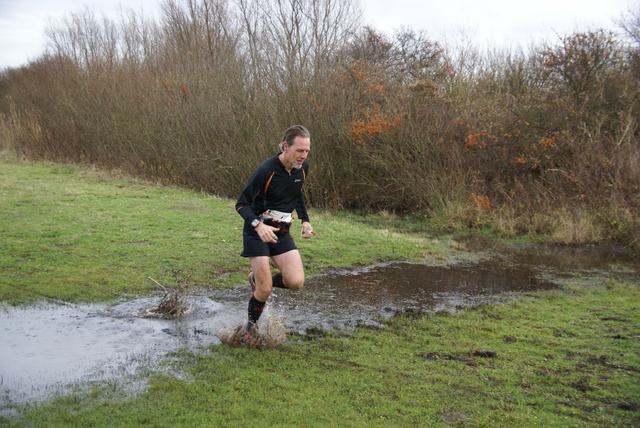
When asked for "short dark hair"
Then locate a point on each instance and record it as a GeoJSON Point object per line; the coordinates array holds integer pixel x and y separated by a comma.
{"type": "Point", "coordinates": [293, 132]}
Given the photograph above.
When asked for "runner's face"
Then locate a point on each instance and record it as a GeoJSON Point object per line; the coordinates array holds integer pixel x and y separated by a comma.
{"type": "Point", "coordinates": [295, 154]}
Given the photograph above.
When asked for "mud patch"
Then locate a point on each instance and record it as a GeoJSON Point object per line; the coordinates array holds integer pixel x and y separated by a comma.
{"type": "Point", "coordinates": [347, 298]}
{"type": "Point", "coordinates": [463, 357]}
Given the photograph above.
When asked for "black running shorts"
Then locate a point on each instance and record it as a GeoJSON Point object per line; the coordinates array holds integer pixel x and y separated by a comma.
{"type": "Point", "coordinates": [254, 247]}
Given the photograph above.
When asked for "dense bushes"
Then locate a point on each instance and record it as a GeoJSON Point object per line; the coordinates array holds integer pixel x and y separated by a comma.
{"type": "Point", "coordinates": [524, 142]}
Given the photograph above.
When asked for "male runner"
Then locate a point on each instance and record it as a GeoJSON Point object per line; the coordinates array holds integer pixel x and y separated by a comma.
{"type": "Point", "coordinates": [266, 204]}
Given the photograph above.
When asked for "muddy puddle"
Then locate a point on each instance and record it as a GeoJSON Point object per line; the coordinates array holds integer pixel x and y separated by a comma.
{"type": "Point", "coordinates": [54, 348]}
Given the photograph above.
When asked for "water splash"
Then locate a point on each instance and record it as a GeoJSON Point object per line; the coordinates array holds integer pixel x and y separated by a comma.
{"type": "Point", "coordinates": [50, 348]}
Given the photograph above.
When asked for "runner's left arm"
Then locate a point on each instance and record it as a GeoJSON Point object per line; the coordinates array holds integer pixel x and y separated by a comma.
{"type": "Point", "coordinates": [301, 203]}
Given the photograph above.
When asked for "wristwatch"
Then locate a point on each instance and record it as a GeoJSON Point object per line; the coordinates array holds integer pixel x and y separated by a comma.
{"type": "Point", "coordinates": [255, 223]}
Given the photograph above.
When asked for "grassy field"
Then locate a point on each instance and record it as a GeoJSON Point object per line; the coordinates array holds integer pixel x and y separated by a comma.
{"type": "Point", "coordinates": [563, 358]}
{"type": "Point", "coordinates": [85, 235]}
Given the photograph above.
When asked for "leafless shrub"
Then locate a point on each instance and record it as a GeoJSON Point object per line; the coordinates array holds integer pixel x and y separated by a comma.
{"type": "Point", "coordinates": [399, 122]}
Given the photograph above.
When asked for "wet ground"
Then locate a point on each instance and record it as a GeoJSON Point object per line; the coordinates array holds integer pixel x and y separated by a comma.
{"type": "Point", "coordinates": [56, 347]}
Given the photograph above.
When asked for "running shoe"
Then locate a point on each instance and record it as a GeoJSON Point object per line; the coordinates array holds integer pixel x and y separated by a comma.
{"type": "Point", "coordinates": [249, 337]}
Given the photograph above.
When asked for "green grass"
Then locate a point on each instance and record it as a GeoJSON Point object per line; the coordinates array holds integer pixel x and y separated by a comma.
{"type": "Point", "coordinates": [563, 358]}
{"type": "Point", "coordinates": [81, 235]}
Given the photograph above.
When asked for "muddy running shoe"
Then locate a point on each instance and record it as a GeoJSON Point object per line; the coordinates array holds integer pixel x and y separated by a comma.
{"type": "Point", "coordinates": [249, 337]}
{"type": "Point", "coordinates": [252, 281]}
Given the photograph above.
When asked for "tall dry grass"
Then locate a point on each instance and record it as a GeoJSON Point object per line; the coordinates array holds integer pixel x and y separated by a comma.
{"type": "Point", "coordinates": [544, 141]}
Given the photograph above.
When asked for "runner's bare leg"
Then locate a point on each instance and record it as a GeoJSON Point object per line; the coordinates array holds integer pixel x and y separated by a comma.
{"type": "Point", "coordinates": [262, 274]}
{"type": "Point", "coordinates": [290, 265]}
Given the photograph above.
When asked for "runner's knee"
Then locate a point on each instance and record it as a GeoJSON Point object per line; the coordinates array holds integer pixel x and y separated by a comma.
{"type": "Point", "coordinates": [293, 283]}
{"type": "Point", "coordinates": [262, 293]}
{"type": "Point", "coordinates": [264, 286]}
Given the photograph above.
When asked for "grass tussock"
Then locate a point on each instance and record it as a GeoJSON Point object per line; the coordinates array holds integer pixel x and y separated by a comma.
{"type": "Point", "coordinates": [173, 303]}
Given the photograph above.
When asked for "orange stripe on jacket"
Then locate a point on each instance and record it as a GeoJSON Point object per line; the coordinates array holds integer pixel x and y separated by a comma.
{"type": "Point", "coordinates": [266, 186]}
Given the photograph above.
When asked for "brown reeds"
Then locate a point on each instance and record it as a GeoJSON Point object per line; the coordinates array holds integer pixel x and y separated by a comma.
{"type": "Point", "coordinates": [511, 140]}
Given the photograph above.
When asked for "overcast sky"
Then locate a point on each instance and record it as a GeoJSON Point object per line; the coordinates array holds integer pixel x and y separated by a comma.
{"type": "Point", "coordinates": [494, 23]}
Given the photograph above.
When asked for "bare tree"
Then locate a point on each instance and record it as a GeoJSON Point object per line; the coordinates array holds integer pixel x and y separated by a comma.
{"type": "Point", "coordinates": [89, 41]}
{"type": "Point", "coordinates": [82, 38]}
{"type": "Point", "coordinates": [291, 41]}
{"type": "Point", "coordinates": [630, 25]}
{"type": "Point", "coordinates": [200, 32]}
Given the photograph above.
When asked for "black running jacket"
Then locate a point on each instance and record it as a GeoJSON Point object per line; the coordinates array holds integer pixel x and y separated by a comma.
{"type": "Point", "coordinates": [271, 187]}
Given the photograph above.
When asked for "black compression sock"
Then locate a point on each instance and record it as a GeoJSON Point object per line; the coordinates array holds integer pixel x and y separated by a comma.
{"type": "Point", "coordinates": [255, 309]}
{"type": "Point", "coordinates": [277, 281]}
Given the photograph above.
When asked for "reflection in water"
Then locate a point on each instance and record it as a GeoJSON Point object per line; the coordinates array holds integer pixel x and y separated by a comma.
{"type": "Point", "coordinates": [44, 348]}
{"type": "Point", "coordinates": [344, 299]}
{"type": "Point", "coordinates": [47, 347]}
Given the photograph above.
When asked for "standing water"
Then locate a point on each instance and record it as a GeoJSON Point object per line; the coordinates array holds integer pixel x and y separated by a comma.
{"type": "Point", "coordinates": [53, 348]}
